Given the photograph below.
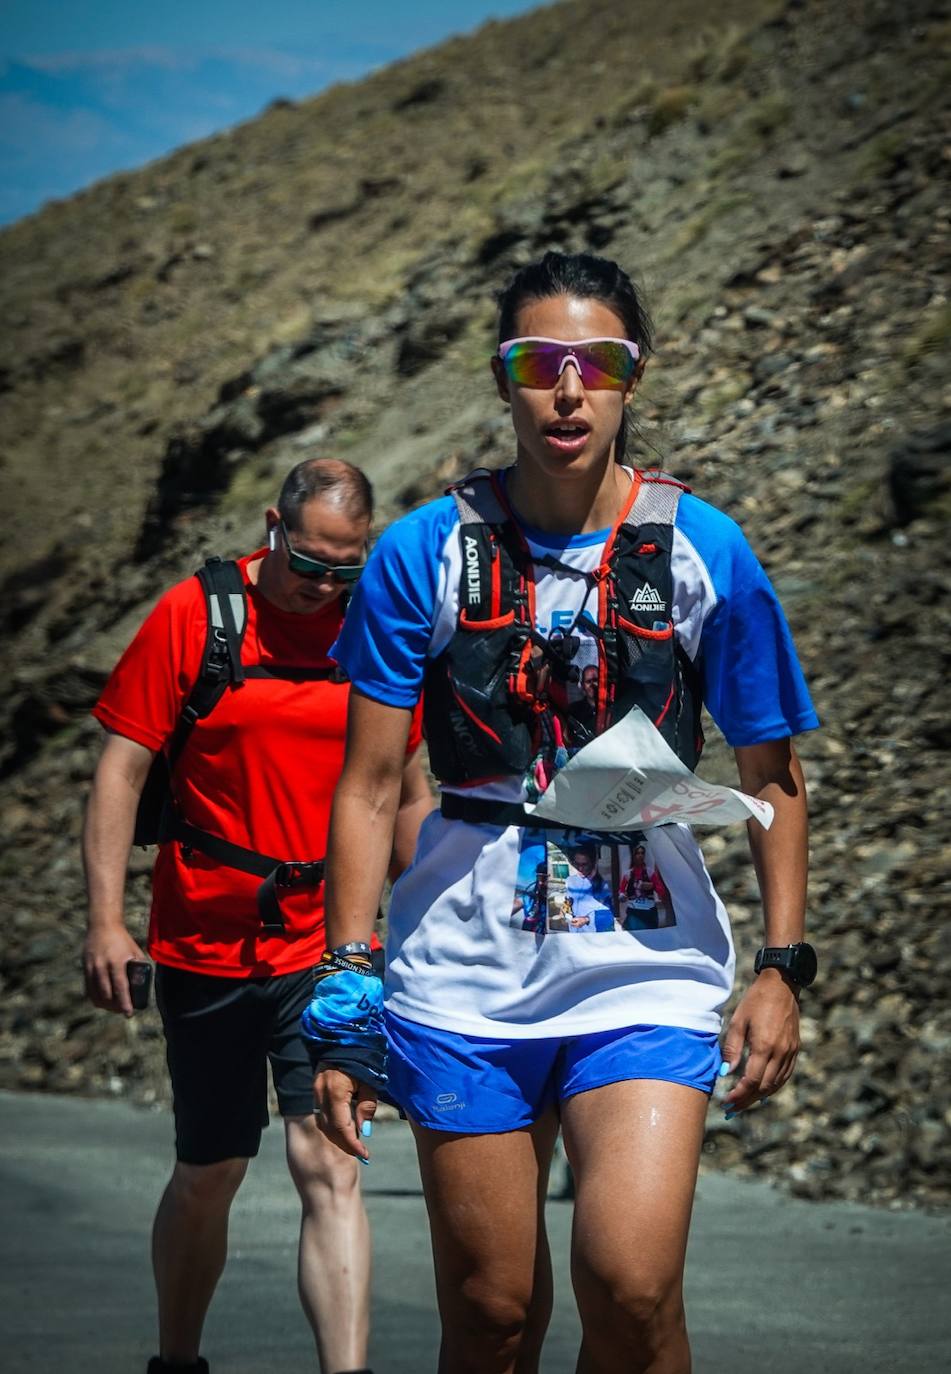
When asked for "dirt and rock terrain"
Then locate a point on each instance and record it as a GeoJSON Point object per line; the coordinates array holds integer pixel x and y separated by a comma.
{"type": "Point", "coordinates": [322, 280]}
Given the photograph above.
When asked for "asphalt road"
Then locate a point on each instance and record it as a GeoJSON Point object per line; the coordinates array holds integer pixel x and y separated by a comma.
{"type": "Point", "coordinates": [772, 1284]}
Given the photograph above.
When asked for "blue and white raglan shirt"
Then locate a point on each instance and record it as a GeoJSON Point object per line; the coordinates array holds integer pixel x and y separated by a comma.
{"type": "Point", "coordinates": [466, 951]}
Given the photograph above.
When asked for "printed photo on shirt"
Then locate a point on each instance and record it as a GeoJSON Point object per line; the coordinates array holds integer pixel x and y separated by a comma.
{"type": "Point", "coordinates": [573, 884]}
{"type": "Point", "coordinates": [566, 885]}
{"type": "Point", "coordinates": [530, 902]}
{"type": "Point", "coordinates": [644, 900]}
{"type": "Point", "coordinates": [581, 887]}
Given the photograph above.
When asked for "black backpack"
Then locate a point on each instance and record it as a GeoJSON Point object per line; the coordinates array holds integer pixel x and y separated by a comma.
{"type": "Point", "coordinates": [158, 819]}
{"type": "Point", "coordinates": [226, 617]}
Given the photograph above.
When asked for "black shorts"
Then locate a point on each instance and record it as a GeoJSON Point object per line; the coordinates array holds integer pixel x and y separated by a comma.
{"type": "Point", "coordinates": [220, 1033]}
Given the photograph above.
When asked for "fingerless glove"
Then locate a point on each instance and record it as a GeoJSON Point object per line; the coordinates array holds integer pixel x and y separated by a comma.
{"type": "Point", "coordinates": [343, 1024]}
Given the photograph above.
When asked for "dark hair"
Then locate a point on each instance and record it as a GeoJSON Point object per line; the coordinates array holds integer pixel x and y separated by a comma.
{"type": "Point", "coordinates": [590, 851]}
{"type": "Point", "coordinates": [329, 478]}
{"type": "Point", "coordinates": [589, 278]}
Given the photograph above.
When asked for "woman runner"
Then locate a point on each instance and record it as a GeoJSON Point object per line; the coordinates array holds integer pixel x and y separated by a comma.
{"type": "Point", "coordinates": [641, 891]}
{"type": "Point", "coordinates": [493, 597]}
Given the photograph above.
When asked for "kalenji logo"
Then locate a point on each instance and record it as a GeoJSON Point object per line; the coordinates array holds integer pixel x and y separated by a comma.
{"type": "Point", "coordinates": [473, 578]}
{"type": "Point", "coordinates": [446, 1102]}
{"type": "Point", "coordinates": [647, 598]}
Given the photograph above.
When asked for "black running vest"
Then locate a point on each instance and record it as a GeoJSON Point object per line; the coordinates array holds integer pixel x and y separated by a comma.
{"type": "Point", "coordinates": [500, 695]}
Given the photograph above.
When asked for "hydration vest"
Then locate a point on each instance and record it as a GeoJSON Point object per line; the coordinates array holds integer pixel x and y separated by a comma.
{"type": "Point", "coordinates": [496, 699]}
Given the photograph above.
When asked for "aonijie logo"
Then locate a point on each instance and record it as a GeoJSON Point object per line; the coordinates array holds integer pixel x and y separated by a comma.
{"type": "Point", "coordinates": [647, 598]}
{"type": "Point", "coordinates": [473, 577]}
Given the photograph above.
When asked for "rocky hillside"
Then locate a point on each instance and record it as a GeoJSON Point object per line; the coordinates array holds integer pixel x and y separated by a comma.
{"type": "Point", "coordinates": [322, 280]}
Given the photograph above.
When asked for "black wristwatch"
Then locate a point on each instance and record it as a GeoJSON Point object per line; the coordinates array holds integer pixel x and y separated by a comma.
{"type": "Point", "coordinates": [797, 962]}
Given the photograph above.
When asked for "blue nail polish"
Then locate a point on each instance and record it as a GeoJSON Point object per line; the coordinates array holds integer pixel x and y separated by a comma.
{"type": "Point", "coordinates": [764, 1102]}
{"type": "Point", "coordinates": [362, 1160]}
{"type": "Point", "coordinates": [366, 1129]}
{"type": "Point", "coordinates": [724, 1069]}
{"type": "Point", "coordinates": [728, 1116]}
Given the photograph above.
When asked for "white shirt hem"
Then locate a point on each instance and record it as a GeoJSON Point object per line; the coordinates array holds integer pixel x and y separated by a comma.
{"type": "Point", "coordinates": [639, 1011]}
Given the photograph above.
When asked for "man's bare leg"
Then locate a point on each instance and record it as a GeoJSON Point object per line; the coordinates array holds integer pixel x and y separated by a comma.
{"type": "Point", "coordinates": [189, 1248]}
{"type": "Point", "coordinates": [333, 1272]}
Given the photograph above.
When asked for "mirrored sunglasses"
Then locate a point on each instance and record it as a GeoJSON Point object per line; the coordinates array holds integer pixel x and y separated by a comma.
{"type": "Point", "coordinates": [538, 362]}
{"type": "Point", "coordinates": [305, 566]}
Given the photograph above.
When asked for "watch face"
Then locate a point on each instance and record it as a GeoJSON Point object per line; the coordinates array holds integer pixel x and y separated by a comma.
{"type": "Point", "coordinates": [805, 965]}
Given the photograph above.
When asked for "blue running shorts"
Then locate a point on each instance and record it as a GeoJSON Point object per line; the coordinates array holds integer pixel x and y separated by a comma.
{"type": "Point", "coordinates": [475, 1086]}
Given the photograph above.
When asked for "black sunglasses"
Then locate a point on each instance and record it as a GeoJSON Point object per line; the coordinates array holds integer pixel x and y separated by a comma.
{"type": "Point", "coordinates": [304, 566]}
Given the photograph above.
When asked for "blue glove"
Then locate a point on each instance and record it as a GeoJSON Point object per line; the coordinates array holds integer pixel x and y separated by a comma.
{"type": "Point", "coordinates": [343, 1024]}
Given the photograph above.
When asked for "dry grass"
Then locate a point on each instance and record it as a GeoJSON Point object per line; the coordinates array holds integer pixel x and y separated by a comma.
{"type": "Point", "coordinates": [669, 107]}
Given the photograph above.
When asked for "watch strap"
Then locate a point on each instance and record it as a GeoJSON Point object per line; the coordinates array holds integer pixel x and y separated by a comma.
{"type": "Point", "coordinates": [797, 961]}
{"type": "Point", "coordinates": [775, 956]}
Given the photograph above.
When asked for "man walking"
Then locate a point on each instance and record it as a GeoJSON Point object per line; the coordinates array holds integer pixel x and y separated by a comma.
{"type": "Point", "coordinates": [251, 786]}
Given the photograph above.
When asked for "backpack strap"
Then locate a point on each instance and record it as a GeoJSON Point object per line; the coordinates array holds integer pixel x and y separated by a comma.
{"type": "Point", "coordinates": [226, 607]}
{"type": "Point", "coordinates": [477, 499]}
{"type": "Point", "coordinates": [658, 496]}
{"type": "Point", "coordinates": [277, 874]}
{"type": "Point", "coordinates": [498, 584]}
{"type": "Point", "coordinates": [226, 620]}
{"type": "Point", "coordinates": [494, 588]}
{"type": "Point", "coordinates": [281, 672]}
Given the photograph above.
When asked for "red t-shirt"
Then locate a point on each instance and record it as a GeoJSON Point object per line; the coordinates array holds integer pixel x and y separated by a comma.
{"type": "Point", "coordinates": [259, 771]}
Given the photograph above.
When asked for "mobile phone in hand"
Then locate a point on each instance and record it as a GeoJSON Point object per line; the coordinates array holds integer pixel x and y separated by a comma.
{"type": "Point", "coordinates": [139, 974]}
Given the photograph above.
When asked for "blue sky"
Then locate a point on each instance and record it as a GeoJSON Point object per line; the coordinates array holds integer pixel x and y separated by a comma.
{"type": "Point", "coordinates": [91, 87]}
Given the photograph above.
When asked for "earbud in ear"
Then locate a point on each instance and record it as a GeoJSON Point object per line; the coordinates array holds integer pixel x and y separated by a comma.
{"type": "Point", "coordinates": [272, 538]}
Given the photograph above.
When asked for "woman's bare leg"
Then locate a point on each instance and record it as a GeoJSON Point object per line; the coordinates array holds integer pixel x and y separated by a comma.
{"type": "Point", "coordinates": [486, 1200]}
{"type": "Point", "coordinates": [634, 1148]}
